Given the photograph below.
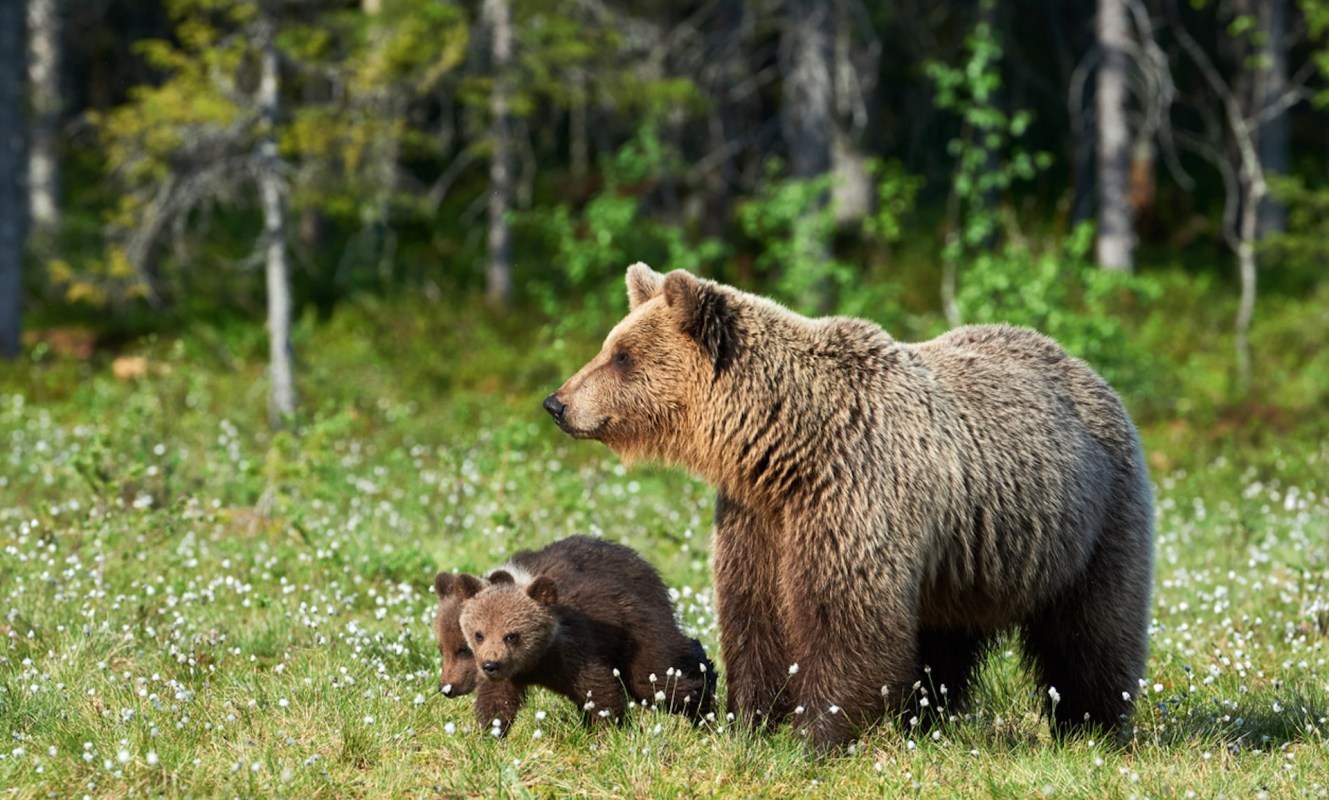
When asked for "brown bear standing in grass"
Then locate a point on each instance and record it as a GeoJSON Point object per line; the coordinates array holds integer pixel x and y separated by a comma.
{"type": "Point", "coordinates": [886, 507]}
{"type": "Point", "coordinates": [592, 640]}
{"type": "Point", "coordinates": [562, 560]}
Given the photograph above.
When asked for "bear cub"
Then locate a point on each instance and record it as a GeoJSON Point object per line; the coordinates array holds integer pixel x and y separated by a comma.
{"type": "Point", "coordinates": [565, 559]}
{"type": "Point", "coordinates": [593, 639]}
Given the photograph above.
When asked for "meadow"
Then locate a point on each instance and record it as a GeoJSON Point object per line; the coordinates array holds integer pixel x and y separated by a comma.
{"type": "Point", "coordinates": [197, 606]}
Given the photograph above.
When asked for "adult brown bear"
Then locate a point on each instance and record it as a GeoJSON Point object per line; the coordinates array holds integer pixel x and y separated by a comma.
{"type": "Point", "coordinates": [886, 507]}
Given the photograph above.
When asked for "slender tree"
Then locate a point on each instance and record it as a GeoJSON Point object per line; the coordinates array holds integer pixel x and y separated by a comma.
{"type": "Point", "coordinates": [1271, 83]}
{"type": "Point", "coordinates": [1116, 235]}
{"type": "Point", "coordinates": [281, 397]}
{"type": "Point", "coordinates": [13, 202]}
{"type": "Point", "coordinates": [44, 100]}
{"type": "Point", "coordinates": [498, 264]}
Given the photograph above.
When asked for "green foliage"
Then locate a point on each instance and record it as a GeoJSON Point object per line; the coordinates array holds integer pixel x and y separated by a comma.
{"type": "Point", "coordinates": [988, 157]}
{"type": "Point", "coordinates": [591, 248]}
{"type": "Point", "coordinates": [1059, 292]}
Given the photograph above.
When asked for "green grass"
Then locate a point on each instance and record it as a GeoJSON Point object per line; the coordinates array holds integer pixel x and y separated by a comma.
{"type": "Point", "coordinates": [195, 606]}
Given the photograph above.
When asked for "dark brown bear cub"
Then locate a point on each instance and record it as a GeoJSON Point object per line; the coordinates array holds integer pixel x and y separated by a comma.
{"type": "Point", "coordinates": [564, 559]}
{"type": "Point", "coordinates": [592, 640]}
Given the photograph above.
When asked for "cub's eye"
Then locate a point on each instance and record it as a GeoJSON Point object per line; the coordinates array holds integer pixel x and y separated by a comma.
{"type": "Point", "coordinates": [512, 638]}
{"type": "Point", "coordinates": [479, 637]}
{"type": "Point", "coordinates": [463, 651]}
{"type": "Point", "coordinates": [622, 358]}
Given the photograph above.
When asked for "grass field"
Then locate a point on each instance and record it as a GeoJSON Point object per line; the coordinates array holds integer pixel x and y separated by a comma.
{"type": "Point", "coordinates": [195, 606]}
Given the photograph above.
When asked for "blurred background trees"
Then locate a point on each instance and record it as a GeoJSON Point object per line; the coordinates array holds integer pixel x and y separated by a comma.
{"type": "Point", "coordinates": [188, 162]}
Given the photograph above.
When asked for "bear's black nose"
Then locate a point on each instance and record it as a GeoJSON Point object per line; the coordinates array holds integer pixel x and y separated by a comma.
{"type": "Point", "coordinates": [490, 667]}
{"type": "Point", "coordinates": [555, 406]}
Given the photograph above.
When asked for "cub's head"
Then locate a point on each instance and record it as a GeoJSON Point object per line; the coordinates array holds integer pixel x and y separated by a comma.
{"type": "Point", "coordinates": [656, 365]}
{"type": "Point", "coordinates": [508, 627]}
{"type": "Point", "coordinates": [459, 670]}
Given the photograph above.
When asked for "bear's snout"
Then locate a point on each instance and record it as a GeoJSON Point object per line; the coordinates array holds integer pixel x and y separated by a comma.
{"type": "Point", "coordinates": [555, 407]}
{"type": "Point", "coordinates": [491, 668]}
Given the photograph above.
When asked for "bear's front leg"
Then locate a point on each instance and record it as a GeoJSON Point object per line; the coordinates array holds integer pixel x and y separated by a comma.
{"type": "Point", "coordinates": [852, 627]}
{"type": "Point", "coordinates": [497, 704]}
{"type": "Point", "coordinates": [752, 638]}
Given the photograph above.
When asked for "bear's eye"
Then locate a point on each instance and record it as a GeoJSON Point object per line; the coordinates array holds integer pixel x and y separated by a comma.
{"type": "Point", "coordinates": [512, 638]}
{"type": "Point", "coordinates": [622, 359]}
{"type": "Point", "coordinates": [479, 637]}
{"type": "Point", "coordinates": [463, 651]}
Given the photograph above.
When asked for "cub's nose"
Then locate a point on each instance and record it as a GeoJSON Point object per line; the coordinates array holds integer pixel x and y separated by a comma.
{"type": "Point", "coordinates": [555, 406]}
{"type": "Point", "coordinates": [491, 668]}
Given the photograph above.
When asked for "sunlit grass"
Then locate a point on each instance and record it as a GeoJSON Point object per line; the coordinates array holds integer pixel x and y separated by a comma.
{"type": "Point", "coordinates": [195, 606]}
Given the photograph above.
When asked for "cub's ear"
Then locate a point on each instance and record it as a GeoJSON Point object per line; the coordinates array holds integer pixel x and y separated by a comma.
{"type": "Point", "coordinates": [443, 584]}
{"type": "Point", "coordinates": [464, 586]}
{"type": "Point", "coordinates": [543, 590]}
{"type": "Point", "coordinates": [644, 284]}
{"type": "Point", "coordinates": [501, 576]}
{"type": "Point", "coordinates": [704, 313]}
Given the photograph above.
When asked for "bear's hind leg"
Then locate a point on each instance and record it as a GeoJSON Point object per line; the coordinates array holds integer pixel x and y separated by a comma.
{"type": "Point", "coordinates": [1089, 645]}
{"type": "Point", "coordinates": [947, 659]}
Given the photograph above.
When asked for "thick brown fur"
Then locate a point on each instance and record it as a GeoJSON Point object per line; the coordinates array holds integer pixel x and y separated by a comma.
{"type": "Point", "coordinates": [566, 558]}
{"type": "Point", "coordinates": [584, 611]}
{"type": "Point", "coordinates": [886, 508]}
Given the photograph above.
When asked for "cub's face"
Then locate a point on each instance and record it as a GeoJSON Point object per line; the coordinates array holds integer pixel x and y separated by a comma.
{"type": "Point", "coordinates": [459, 670]}
{"type": "Point", "coordinates": [635, 394]}
{"type": "Point", "coordinates": [509, 629]}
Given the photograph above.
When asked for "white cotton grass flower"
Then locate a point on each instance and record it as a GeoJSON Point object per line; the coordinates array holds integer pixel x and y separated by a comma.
{"type": "Point", "coordinates": [1054, 694]}
{"type": "Point", "coordinates": [151, 758]}
{"type": "Point", "coordinates": [450, 728]}
{"type": "Point", "coordinates": [793, 669]}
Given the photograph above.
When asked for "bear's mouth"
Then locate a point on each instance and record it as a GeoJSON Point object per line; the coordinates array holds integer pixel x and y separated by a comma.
{"type": "Point", "coordinates": [581, 433]}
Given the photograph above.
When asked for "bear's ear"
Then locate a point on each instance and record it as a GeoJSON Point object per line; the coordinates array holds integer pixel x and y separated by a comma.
{"type": "Point", "coordinates": [543, 590]}
{"type": "Point", "coordinates": [644, 284]}
{"type": "Point", "coordinates": [443, 584]}
{"type": "Point", "coordinates": [500, 576]}
{"type": "Point", "coordinates": [704, 313]}
{"type": "Point", "coordinates": [467, 586]}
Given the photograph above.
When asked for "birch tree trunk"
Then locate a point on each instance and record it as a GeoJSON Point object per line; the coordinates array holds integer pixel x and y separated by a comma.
{"type": "Point", "coordinates": [498, 265]}
{"type": "Point", "coordinates": [1116, 238]}
{"type": "Point", "coordinates": [44, 99]}
{"type": "Point", "coordinates": [13, 202]}
{"type": "Point", "coordinates": [281, 399]}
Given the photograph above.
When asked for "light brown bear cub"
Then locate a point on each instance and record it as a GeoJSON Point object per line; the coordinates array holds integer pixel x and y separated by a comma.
{"type": "Point", "coordinates": [565, 559]}
{"type": "Point", "coordinates": [594, 641]}
{"type": "Point", "coordinates": [886, 507]}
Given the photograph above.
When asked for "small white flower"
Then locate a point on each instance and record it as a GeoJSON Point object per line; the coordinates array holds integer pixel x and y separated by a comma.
{"type": "Point", "coordinates": [450, 728]}
{"type": "Point", "coordinates": [447, 688]}
{"type": "Point", "coordinates": [590, 704]}
{"type": "Point", "coordinates": [152, 758]}
{"type": "Point", "coordinates": [537, 734]}
{"type": "Point", "coordinates": [496, 731]}
{"type": "Point", "coordinates": [369, 720]}
{"type": "Point", "coordinates": [1054, 694]}
{"type": "Point", "coordinates": [616, 672]}
{"type": "Point", "coordinates": [793, 669]}
{"type": "Point", "coordinates": [419, 700]}
{"type": "Point", "coordinates": [834, 709]}
{"type": "Point", "coordinates": [652, 678]}
{"type": "Point", "coordinates": [799, 710]}
{"type": "Point", "coordinates": [659, 696]}
{"type": "Point", "coordinates": [122, 756]}
{"type": "Point", "coordinates": [283, 702]}
{"type": "Point", "coordinates": [540, 715]}
{"type": "Point", "coordinates": [1126, 696]}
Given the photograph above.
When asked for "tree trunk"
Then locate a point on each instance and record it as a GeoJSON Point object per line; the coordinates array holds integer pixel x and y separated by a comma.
{"type": "Point", "coordinates": [1270, 86]}
{"type": "Point", "coordinates": [1116, 239]}
{"type": "Point", "coordinates": [1246, 266]}
{"type": "Point", "coordinates": [13, 203]}
{"type": "Point", "coordinates": [44, 97]}
{"type": "Point", "coordinates": [498, 266]}
{"type": "Point", "coordinates": [807, 121]}
{"type": "Point", "coordinates": [281, 400]}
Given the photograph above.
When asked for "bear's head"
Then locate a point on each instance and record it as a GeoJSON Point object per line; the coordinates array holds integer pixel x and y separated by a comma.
{"type": "Point", "coordinates": [509, 628]}
{"type": "Point", "coordinates": [459, 670]}
{"type": "Point", "coordinates": [656, 366]}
